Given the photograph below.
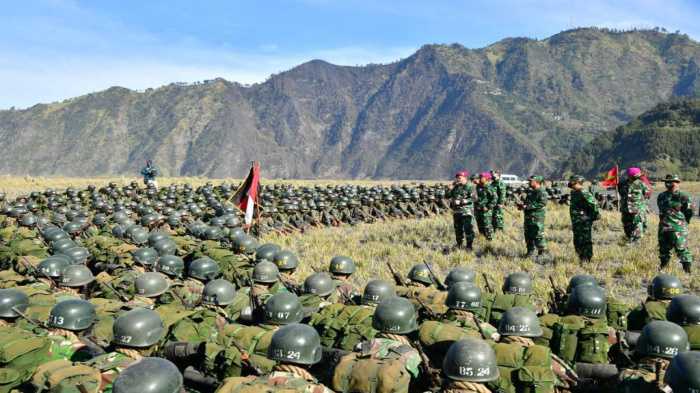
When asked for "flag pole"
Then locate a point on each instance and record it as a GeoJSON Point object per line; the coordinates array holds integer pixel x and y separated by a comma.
{"type": "Point", "coordinates": [617, 187]}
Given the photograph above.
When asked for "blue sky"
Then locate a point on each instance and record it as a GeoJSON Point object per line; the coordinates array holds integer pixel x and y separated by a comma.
{"type": "Point", "coordinates": [56, 49]}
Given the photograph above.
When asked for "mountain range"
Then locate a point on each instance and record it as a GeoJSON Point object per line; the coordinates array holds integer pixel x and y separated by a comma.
{"type": "Point", "coordinates": [521, 105]}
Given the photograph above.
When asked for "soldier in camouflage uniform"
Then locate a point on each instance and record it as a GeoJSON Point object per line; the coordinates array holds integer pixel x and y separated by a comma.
{"type": "Point", "coordinates": [534, 207]}
{"type": "Point", "coordinates": [486, 200]}
{"type": "Point", "coordinates": [675, 212]}
{"type": "Point", "coordinates": [633, 204]}
{"type": "Point", "coordinates": [659, 342]}
{"type": "Point", "coordinates": [295, 347]}
{"type": "Point", "coordinates": [661, 290]}
{"type": "Point", "coordinates": [583, 210]}
{"type": "Point", "coordinates": [462, 203]}
{"type": "Point", "coordinates": [501, 189]}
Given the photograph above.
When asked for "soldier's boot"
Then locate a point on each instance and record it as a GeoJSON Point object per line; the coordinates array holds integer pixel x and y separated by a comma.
{"type": "Point", "coordinates": [664, 264]}
{"type": "Point", "coordinates": [686, 267]}
{"type": "Point", "coordinates": [470, 245]}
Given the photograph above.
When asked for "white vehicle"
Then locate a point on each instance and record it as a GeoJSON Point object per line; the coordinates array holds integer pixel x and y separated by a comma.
{"type": "Point", "coordinates": [512, 180]}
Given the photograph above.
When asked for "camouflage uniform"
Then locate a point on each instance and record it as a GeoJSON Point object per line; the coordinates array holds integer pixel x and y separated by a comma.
{"type": "Point", "coordinates": [500, 188]}
{"type": "Point", "coordinates": [633, 206]}
{"type": "Point", "coordinates": [643, 378]}
{"type": "Point", "coordinates": [675, 212]}
{"type": "Point", "coordinates": [462, 213]}
{"type": "Point", "coordinates": [583, 210]}
{"type": "Point", "coordinates": [486, 200]}
{"type": "Point", "coordinates": [281, 381]}
{"type": "Point", "coordinates": [534, 207]}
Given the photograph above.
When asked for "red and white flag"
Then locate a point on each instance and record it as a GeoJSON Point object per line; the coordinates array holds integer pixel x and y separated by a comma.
{"type": "Point", "coordinates": [246, 198]}
{"type": "Point", "coordinates": [611, 178]}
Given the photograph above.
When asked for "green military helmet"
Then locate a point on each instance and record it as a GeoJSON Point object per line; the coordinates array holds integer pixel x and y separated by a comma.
{"type": "Point", "coordinates": [54, 235]}
{"type": "Point", "coordinates": [471, 360]}
{"type": "Point", "coordinates": [77, 255]}
{"type": "Point", "coordinates": [100, 219]}
{"type": "Point", "coordinates": [61, 245]}
{"type": "Point", "coordinates": [138, 236]}
{"type": "Point", "coordinates": [236, 233]}
{"type": "Point", "coordinates": [286, 260]}
{"type": "Point", "coordinates": [672, 178]}
{"type": "Point", "coordinates": [518, 283]}
{"type": "Point", "coordinates": [665, 287]}
{"type": "Point", "coordinates": [245, 245]}
{"type": "Point", "coordinates": [576, 179]}
{"type": "Point", "coordinates": [684, 310]}
{"type": "Point", "coordinates": [581, 279]}
{"type": "Point", "coordinates": [266, 252]}
{"type": "Point", "coordinates": [165, 247]}
{"type": "Point", "coordinates": [218, 292]}
{"type": "Point", "coordinates": [377, 291]}
{"type": "Point", "coordinates": [149, 219]}
{"type": "Point", "coordinates": [265, 272]}
{"type": "Point", "coordinates": [588, 301]}
{"type": "Point", "coordinates": [282, 309]}
{"type": "Point", "coordinates": [662, 339]}
{"type": "Point", "coordinates": [155, 237]}
{"type": "Point", "coordinates": [138, 328]}
{"type": "Point", "coordinates": [420, 273]}
{"type": "Point", "coordinates": [683, 374]}
{"type": "Point", "coordinates": [145, 256]}
{"type": "Point", "coordinates": [72, 314]}
{"type": "Point", "coordinates": [151, 284]}
{"type": "Point", "coordinates": [395, 315]}
{"type": "Point", "coordinates": [212, 233]}
{"type": "Point", "coordinates": [320, 283]}
{"type": "Point", "coordinates": [173, 220]}
{"type": "Point", "coordinates": [73, 228]}
{"type": "Point", "coordinates": [53, 266]}
{"type": "Point", "coordinates": [519, 321]}
{"type": "Point", "coordinates": [464, 296]}
{"type": "Point", "coordinates": [341, 264]}
{"type": "Point", "coordinates": [12, 303]}
{"type": "Point", "coordinates": [204, 269]}
{"type": "Point", "coordinates": [76, 276]}
{"type": "Point", "coordinates": [149, 375]}
{"type": "Point", "coordinates": [28, 220]}
{"type": "Point", "coordinates": [459, 274]}
{"type": "Point", "coordinates": [296, 344]}
{"type": "Point", "coordinates": [171, 265]}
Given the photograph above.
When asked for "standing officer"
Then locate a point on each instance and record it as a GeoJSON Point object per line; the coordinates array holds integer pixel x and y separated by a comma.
{"type": "Point", "coordinates": [462, 203]}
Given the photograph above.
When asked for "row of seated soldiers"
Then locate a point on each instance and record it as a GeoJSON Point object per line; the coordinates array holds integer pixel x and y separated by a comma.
{"type": "Point", "coordinates": [245, 321]}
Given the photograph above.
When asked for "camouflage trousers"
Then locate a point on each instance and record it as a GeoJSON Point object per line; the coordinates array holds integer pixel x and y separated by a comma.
{"type": "Point", "coordinates": [484, 221]}
{"type": "Point", "coordinates": [497, 221]}
{"type": "Point", "coordinates": [463, 228]}
{"type": "Point", "coordinates": [534, 235]}
{"type": "Point", "coordinates": [633, 224]}
{"type": "Point", "coordinates": [674, 241]}
{"type": "Point", "coordinates": [583, 240]}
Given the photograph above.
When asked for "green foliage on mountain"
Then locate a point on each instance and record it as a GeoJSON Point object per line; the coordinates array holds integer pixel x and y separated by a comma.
{"type": "Point", "coordinates": [522, 105]}
{"type": "Point", "coordinates": [664, 140]}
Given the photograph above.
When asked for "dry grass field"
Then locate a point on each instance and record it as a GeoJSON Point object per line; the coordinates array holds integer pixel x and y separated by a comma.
{"type": "Point", "coordinates": [625, 270]}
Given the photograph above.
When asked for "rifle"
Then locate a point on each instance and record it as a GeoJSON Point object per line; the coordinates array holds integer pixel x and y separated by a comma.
{"type": "Point", "coordinates": [488, 283]}
{"type": "Point", "coordinates": [556, 296]}
{"type": "Point", "coordinates": [397, 277]}
{"type": "Point", "coordinates": [290, 287]}
{"type": "Point", "coordinates": [433, 374]}
{"type": "Point", "coordinates": [254, 302]}
{"type": "Point", "coordinates": [30, 268]}
{"type": "Point", "coordinates": [245, 358]}
{"type": "Point", "coordinates": [26, 317]}
{"type": "Point", "coordinates": [438, 283]}
{"type": "Point", "coordinates": [431, 314]}
{"type": "Point", "coordinates": [113, 289]}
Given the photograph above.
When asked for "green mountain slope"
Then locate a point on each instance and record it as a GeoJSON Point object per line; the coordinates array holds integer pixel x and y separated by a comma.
{"type": "Point", "coordinates": [522, 105]}
{"type": "Point", "coordinates": [663, 140]}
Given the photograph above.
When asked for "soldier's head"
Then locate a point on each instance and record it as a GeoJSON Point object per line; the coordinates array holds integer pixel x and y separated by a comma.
{"type": "Point", "coordinates": [342, 267]}
{"type": "Point", "coordinates": [295, 344]}
{"type": "Point", "coordinates": [672, 182]}
{"type": "Point", "coordinates": [395, 315]}
{"type": "Point", "coordinates": [665, 287]}
{"type": "Point", "coordinates": [484, 178]}
{"type": "Point", "coordinates": [521, 322]}
{"type": "Point", "coordinates": [12, 303]}
{"type": "Point", "coordinates": [474, 178]}
{"type": "Point", "coordinates": [683, 374]}
{"type": "Point", "coordinates": [459, 274]}
{"type": "Point", "coordinates": [461, 177]}
{"type": "Point", "coordinates": [535, 181]}
{"type": "Point", "coordinates": [377, 291]}
{"type": "Point", "coordinates": [634, 173]}
{"type": "Point", "coordinates": [139, 328]}
{"type": "Point", "coordinates": [150, 374]}
{"type": "Point", "coordinates": [420, 274]}
{"type": "Point", "coordinates": [496, 174]}
{"type": "Point", "coordinates": [471, 360]}
{"type": "Point", "coordinates": [576, 182]}
{"type": "Point", "coordinates": [662, 339]}
{"type": "Point", "coordinates": [73, 314]}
